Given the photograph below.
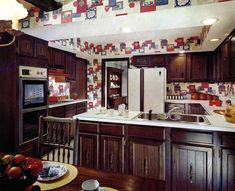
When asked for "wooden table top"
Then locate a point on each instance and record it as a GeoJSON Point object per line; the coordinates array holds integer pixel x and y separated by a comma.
{"type": "Point", "coordinates": [117, 181]}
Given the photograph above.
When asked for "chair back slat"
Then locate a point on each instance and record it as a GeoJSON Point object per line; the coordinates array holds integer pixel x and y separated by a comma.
{"type": "Point", "coordinates": [58, 139]}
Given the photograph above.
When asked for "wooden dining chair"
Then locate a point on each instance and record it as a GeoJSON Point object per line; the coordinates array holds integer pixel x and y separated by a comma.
{"type": "Point", "coordinates": [58, 139]}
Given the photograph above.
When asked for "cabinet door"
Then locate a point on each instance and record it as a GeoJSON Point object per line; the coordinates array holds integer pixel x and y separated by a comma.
{"type": "Point", "coordinates": [198, 67]}
{"type": "Point", "coordinates": [232, 59]}
{"type": "Point", "coordinates": [112, 153]}
{"type": "Point", "coordinates": [58, 58]}
{"type": "Point", "coordinates": [88, 150]}
{"type": "Point", "coordinates": [140, 61]}
{"type": "Point", "coordinates": [26, 45]}
{"type": "Point", "coordinates": [224, 60]}
{"type": "Point", "coordinates": [146, 158]}
{"type": "Point", "coordinates": [41, 49]}
{"type": "Point", "coordinates": [177, 68]}
{"type": "Point", "coordinates": [191, 168]}
{"type": "Point", "coordinates": [71, 66]}
{"type": "Point", "coordinates": [228, 169]}
{"type": "Point", "coordinates": [158, 60]}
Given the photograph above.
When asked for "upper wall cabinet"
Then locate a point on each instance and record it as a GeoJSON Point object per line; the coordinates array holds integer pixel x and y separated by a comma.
{"type": "Point", "coordinates": [149, 61]}
{"type": "Point", "coordinates": [177, 68]}
{"type": "Point", "coordinates": [232, 58]}
{"type": "Point", "coordinates": [56, 58]}
{"type": "Point", "coordinates": [32, 47]}
{"type": "Point", "coordinates": [26, 45]}
{"type": "Point", "coordinates": [41, 49]}
{"type": "Point", "coordinates": [70, 60]}
{"type": "Point", "coordinates": [198, 66]}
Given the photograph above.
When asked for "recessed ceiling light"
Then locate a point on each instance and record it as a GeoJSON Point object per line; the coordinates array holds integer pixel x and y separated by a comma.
{"type": "Point", "coordinates": [126, 29]}
{"type": "Point", "coordinates": [209, 21]}
{"type": "Point", "coordinates": [214, 39]}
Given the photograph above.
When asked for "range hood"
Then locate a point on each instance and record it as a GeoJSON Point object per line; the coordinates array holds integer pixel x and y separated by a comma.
{"type": "Point", "coordinates": [58, 74]}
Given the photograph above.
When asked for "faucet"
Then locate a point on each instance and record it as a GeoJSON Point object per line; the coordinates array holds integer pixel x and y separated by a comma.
{"type": "Point", "coordinates": [150, 114]}
{"type": "Point", "coordinates": [175, 116]}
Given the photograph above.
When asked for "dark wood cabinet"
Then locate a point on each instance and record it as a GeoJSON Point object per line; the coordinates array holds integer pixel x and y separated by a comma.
{"type": "Point", "coordinates": [70, 110]}
{"type": "Point", "coordinates": [112, 153]}
{"type": "Point", "coordinates": [191, 168]}
{"type": "Point", "coordinates": [88, 150]}
{"type": "Point", "coordinates": [71, 66]}
{"type": "Point", "coordinates": [56, 58]}
{"type": "Point", "coordinates": [41, 49]}
{"type": "Point", "coordinates": [112, 147]}
{"type": "Point", "coordinates": [232, 59]}
{"type": "Point", "coordinates": [198, 67]}
{"type": "Point", "coordinates": [177, 68]}
{"type": "Point", "coordinates": [25, 45]}
{"type": "Point", "coordinates": [79, 87]}
{"type": "Point", "coordinates": [158, 60]}
{"type": "Point", "coordinates": [57, 111]}
{"type": "Point", "coordinates": [89, 144]}
{"type": "Point", "coordinates": [146, 158]}
{"type": "Point", "coordinates": [228, 169]}
{"type": "Point", "coordinates": [146, 151]}
{"type": "Point", "coordinates": [32, 47]}
{"type": "Point", "coordinates": [224, 60]}
{"type": "Point", "coordinates": [140, 61]}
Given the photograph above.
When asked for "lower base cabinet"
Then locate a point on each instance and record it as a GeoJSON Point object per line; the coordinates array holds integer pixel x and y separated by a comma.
{"type": "Point", "coordinates": [146, 158]}
{"type": "Point", "coordinates": [191, 168]}
{"type": "Point", "coordinates": [112, 153]}
{"type": "Point", "coordinates": [88, 150]}
{"type": "Point", "coordinates": [228, 169]}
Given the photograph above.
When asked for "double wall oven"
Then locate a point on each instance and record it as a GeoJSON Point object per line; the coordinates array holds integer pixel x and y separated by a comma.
{"type": "Point", "coordinates": [33, 92]}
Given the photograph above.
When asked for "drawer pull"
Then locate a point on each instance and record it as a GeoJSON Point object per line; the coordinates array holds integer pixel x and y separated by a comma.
{"type": "Point", "coordinates": [191, 173]}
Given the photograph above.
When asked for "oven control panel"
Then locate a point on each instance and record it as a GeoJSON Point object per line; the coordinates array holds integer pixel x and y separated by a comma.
{"type": "Point", "coordinates": [32, 72]}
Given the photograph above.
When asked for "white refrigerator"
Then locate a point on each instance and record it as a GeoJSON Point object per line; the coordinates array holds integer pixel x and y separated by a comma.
{"type": "Point", "coordinates": [147, 89]}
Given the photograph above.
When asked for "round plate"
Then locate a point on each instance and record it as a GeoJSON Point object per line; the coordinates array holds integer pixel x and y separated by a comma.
{"type": "Point", "coordinates": [51, 172]}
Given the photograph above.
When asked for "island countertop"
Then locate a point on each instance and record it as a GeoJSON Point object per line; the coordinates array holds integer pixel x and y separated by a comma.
{"type": "Point", "coordinates": [217, 121]}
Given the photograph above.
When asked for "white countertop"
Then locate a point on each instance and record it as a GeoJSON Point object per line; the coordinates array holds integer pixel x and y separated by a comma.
{"type": "Point", "coordinates": [217, 121]}
{"type": "Point", "coordinates": [68, 102]}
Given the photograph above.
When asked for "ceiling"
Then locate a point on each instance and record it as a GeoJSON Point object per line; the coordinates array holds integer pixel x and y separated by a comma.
{"type": "Point", "coordinates": [162, 24]}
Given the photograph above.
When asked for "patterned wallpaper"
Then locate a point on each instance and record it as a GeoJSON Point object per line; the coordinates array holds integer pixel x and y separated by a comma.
{"type": "Point", "coordinates": [94, 77]}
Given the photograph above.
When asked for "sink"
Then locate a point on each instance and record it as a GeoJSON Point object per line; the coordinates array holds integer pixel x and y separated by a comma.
{"type": "Point", "coordinates": [183, 118]}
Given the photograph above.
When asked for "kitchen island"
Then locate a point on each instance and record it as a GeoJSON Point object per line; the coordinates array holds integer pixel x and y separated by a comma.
{"type": "Point", "coordinates": [197, 156]}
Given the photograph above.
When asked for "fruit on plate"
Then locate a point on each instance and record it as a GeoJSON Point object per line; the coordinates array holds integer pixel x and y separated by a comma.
{"type": "Point", "coordinates": [18, 172]}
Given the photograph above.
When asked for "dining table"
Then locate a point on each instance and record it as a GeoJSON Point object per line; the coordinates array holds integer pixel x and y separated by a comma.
{"type": "Point", "coordinates": [118, 181]}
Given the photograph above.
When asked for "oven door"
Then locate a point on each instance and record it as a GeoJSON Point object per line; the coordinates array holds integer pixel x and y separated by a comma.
{"type": "Point", "coordinates": [34, 93]}
{"type": "Point", "coordinates": [29, 125]}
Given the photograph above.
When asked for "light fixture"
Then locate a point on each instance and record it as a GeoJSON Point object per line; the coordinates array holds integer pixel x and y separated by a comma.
{"type": "Point", "coordinates": [12, 10]}
{"type": "Point", "coordinates": [126, 29]}
{"type": "Point", "coordinates": [209, 21]}
{"type": "Point", "coordinates": [214, 39]}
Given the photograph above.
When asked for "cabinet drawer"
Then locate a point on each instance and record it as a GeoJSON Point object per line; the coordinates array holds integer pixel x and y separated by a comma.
{"type": "Point", "coordinates": [228, 139]}
{"type": "Point", "coordinates": [88, 127]}
{"type": "Point", "coordinates": [112, 129]}
{"type": "Point", "coordinates": [146, 132]}
{"type": "Point", "coordinates": [191, 137]}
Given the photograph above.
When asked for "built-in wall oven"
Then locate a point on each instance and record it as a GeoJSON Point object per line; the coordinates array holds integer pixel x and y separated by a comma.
{"type": "Point", "coordinates": [33, 92]}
